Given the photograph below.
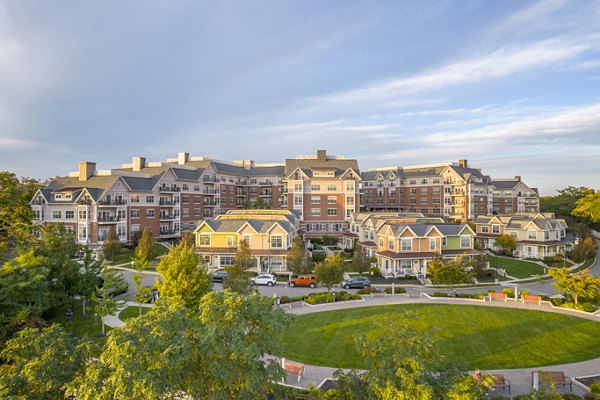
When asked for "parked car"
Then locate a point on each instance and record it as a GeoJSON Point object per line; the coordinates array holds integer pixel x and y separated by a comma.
{"type": "Point", "coordinates": [356, 282]}
{"type": "Point", "coordinates": [219, 276]}
{"type": "Point", "coordinates": [122, 287]}
{"type": "Point", "coordinates": [264, 279]}
{"type": "Point", "coordinates": [152, 295]}
{"type": "Point", "coordinates": [303, 280]}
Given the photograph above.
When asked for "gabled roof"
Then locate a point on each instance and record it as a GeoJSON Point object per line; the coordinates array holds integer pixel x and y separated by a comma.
{"type": "Point", "coordinates": [142, 184]}
{"type": "Point", "coordinates": [187, 174]}
{"type": "Point", "coordinates": [235, 225]}
{"type": "Point", "coordinates": [339, 164]}
{"type": "Point", "coordinates": [505, 184]}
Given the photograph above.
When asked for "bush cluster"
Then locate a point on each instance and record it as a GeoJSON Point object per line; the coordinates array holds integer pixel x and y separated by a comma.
{"type": "Point", "coordinates": [320, 298]}
{"type": "Point", "coordinates": [397, 290]}
{"type": "Point", "coordinates": [368, 290]}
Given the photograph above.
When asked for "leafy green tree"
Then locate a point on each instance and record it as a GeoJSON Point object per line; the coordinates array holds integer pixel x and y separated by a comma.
{"type": "Point", "coordinates": [297, 261]}
{"type": "Point", "coordinates": [479, 264]}
{"type": "Point", "coordinates": [89, 274]}
{"type": "Point", "coordinates": [360, 259]}
{"type": "Point", "coordinates": [188, 238]}
{"type": "Point", "coordinates": [238, 274]}
{"type": "Point", "coordinates": [330, 272]}
{"type": "Point", "coordinates": [588, 207]}
{"type": "Point", "coordinates": [261, 205]}
{"type": "Point", "coordinates": [111, 245]}
{"type": "Point", "coordinates": [25, 292]}
{"type": "Point", "coordinates": [565, 202]}
{"type": "Point", "coordinates": [508, 243]}
{"type": "Point", "coordinates": [451, 273]}
{"type": "Point", "coordinates": [16, 216]}
{"type": "Point", "coordinates": [183, 280]}
{"type": "Point", "coordinates": [584, 249]}
{"type": "Point", "coordinates": [105, 303]}
{"type": "Point", "coordinates": [140, 264]}
{"type": "Point", "coordinates": [145, 247]}
{"type": "Point", "coordinates": [580, 284]}
{"type": "Point", "coordinates": [40, 364]}
{"type": "Point", "coordinates": [216, 354]}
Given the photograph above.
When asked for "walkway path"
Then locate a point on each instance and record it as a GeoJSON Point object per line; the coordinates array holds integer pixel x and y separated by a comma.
{"type": "Point", "coordinates": [520, 378]}
{"type": "Point", "coordinates": [114, 320]}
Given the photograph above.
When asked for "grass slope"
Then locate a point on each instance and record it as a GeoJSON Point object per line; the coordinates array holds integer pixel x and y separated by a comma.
{"type": "Point", "coordinates": [485, 337]}
{"type": "Point", "coordinates": [515, 267]}
{"type": "Point", "coordinates": [132, 312]}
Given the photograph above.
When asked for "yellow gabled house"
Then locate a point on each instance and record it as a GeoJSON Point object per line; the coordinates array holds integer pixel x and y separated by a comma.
{"type": "Point", "coordinates": [269, 234]}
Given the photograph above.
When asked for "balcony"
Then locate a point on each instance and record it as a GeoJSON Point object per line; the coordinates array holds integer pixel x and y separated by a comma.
{"type": "Point", "coordinates": [112, 202]}
{"type": "Point", "coordinates": [265, 194]}
{"type": "Point", "coordinates": [265, 183]}
{"type": "Point", "coordinates": [169, 188]}
{"type": "Point", "coordinates": [210, 203]}
{"type": "Point", "coordinates": [37, 202]}
{"type": "Point", "coordinates": [109, 219]}
{"type": "Point", "coordinates": [211, 192]}
{"type": "Point", "coordinates": [241, 182]}
{"type": "Point", "coordinates": [167, 217]}
{"type": "Point", "coordinates": [168, 233]}
{"type": "Point", "coordinates": [241, 194]}
{"type": "Point", "coordinates": [210, 179]}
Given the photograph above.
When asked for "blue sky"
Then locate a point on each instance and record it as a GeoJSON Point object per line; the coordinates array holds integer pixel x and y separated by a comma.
{"type": "Point", "coordinates": [512, 86]}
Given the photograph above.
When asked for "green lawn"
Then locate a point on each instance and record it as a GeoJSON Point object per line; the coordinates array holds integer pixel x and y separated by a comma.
{"type": "Point", "coordinates": [485, 337]}
{"type": "Point", "coordinates": [517, 268]}
{"type": "Point", "coordinates": [127, 255]}
{"type": "Point", "coordinates": [132, 312]}
{"type": "Point", "coordinates": [80, 325]}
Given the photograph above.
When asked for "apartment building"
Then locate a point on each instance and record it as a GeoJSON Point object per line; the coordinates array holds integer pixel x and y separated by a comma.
{"type": "Point", "coordinates": [513, 196]}
{"type": "Point", "coordinates": [406, 248]}
{"type": "Point", "coordinates": [363, 227]}
{"type": "Point", "coordinates": [538, 234]}
{"type": "Point", "coordinates": [269, 234]}
{"type": "Point", "coordinates": [453, 191]}
{"type": "Point", "coordinates": [324, 189]}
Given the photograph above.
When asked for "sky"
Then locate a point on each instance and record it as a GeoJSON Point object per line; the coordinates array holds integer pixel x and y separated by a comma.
{"type": "Point", "coordinates": [512, 86]}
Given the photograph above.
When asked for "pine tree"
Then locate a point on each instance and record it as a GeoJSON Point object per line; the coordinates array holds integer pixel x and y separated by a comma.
{"type": "Point", "coordinates": [360, 260]}
{"type": "Point", "coordinates": [111, 244]}
{"type": "Point", "coordinates": [297, 262]}
{"type": "Point", "coordinates": [145, 247]}
{"type": "Point", "coordinates": [106, 303]}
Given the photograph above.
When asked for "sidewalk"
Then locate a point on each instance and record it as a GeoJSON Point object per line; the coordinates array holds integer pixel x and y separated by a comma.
{"type": "Point", "coordinates": [114, 321]}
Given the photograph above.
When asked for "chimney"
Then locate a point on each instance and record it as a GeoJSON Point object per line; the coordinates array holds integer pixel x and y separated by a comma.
{"type": "Point", "coordinates": [139, 163]}
{"type": "Point", "coordinates": [322, 155]}
{"type": "Point", "coordinates": [463, 163]}
{"type": "Point", "coordinates": [518, 178]}
{"type": "Point", "coordinates": [86, 170]}
{"type": "Point", "coordinates": [182, 158]}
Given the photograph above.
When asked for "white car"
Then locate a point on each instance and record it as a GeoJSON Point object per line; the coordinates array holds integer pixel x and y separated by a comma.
{"type": "Point", "coordinates": [264, 279]}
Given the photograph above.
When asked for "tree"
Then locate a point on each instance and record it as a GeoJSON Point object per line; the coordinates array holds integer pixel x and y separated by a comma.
{"type": "Point", "coordinates": [183, 280]}
{"type": "Point", "coordinates": [89, 274]}
{"type": "Point", "coordinates": [331, 271]}
{"type": "Point", "coordinates": [41, 363]}
{"type": "Point", "coordinates": [360, 259]}
{"type": "Point", "coordinates": [217, 353]}
{"type": "Point", "coordinates": [405, 365]}
{"type": "Point", "coordinates": [565, 202]}
{"type": "Point", "coordinates": [451, 273]}
{"type": "Point", "coordinates": [588, 207]}
{"type": "Point", "coordinates": [111, 244]}
{"type": "Point", "coordinates": [188, 238]}
{"type": "Point", "coordinates": [479, 264]}
{"type": "Point", "coordinates": [297, 261]}
{"type": "Point", "coordinates": [581, 284]}
{"type": "Point", "coordinates": [140, 264]}
{"type": "Point", "coordinates": [16, 216]}
{"type": "Point", "coordinates": [145, 247]}
{"type": "Point", "coordinates": [508, 243]}
{"type": "Point", "coordinates": [238, 274]}
{"type": "Point", "coordinates": [584, 249]}
{"type": "Point", "coordinates": [105, 303]}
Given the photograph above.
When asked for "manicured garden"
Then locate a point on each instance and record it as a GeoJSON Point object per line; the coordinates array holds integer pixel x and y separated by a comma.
{"type": "Point", "coordinates": [485, 337]}
{"type": "Point", "coordinates": [515, 267]}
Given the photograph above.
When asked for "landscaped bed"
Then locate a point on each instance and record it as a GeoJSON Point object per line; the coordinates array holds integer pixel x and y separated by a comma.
{"type": "Point", "coordinates": [485, 337]}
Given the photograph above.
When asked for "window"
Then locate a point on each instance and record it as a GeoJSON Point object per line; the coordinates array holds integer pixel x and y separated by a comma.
{"type": "Point", "coordinates": [185, 212]}
{"type": "Point", "coordinates": [149, 199]}
{"type": "Point", "coordinates": [197, 200]}
{"type": "Point", "coordinates": [435, 190]}
{"type": "Point", "coordinates": [495, 228]}
{"type": "Point", "coordinates": [436, 201]}
{"type": "Point", "coordinates": [297, 187]}
{"type": "Point", "coordinates": [412, 201]}
{"type": "Point", "coordinates": [185, 186]}
{"type": "Point", "coordinates": [331, 187]}
{"type": "Point", "coordinates": [82, 214]}
{"type": "Point", "coordinates": [315, 212]}
{"type": "Point", "coordinates": [135, 228]}
{"type": "Point", "coordinates": [297, 200]}
{"type": "Point", "coordinates": [332, 212]}
{"type": "Point", "coordinates": [436, 181]}
{"type": "Point", "coordinates": [56, 214]}
{"type": "Point", "coordinates": [252, 190]}
{"type": "Point", "coordinates": [531, 235]}
{"type": "Point", "coordinates": [253, 181]}
{"type": "Point", "coordinates": [135, 213]}
{"type": "Point", "coordinates": [331, 200]}
{"type": "Point", "coordinates": [135, 198]}
{"type": "Point", "coordinates": [391, 243]}
{"type": "Point", "coordinates": [444, 241]}
{"type": "Point", "coordinates": [350, 201]}
{"type": "Point", "coordinates": [69, 214]}
{"type": "Point", "coordinates": [315, 187]}
{"type": "Point", "coordinates": [423, 181]}
{"type": "Point", "coordinates": [485, 229]}
{"type": "Point", "coordinates": [315, 199]}
{"type": "Point", "coordinates": [380, 242]}
{"type": "Point", "coordinates": [196, 188]}
{"type": "Point", "coordinates": [513, 234]}
{"type": "Point", "coordinates": [229, 241]}
{"type": "Point", "coordinates": [465, 242]}
{"type": "Point", "coordinates": [246, 238]}
{"type": "Point", "coordinates": [431, 244]}
{"type": "Point", "coordinates": [121, 231]}
{"type": "Point", "coordinates": [424, 200]}
{"type": "Point", "coordinates": [412, 182]}
{"type": "Point", "coordinates": [276, 241]}
{"type": "Point", "coordinates": [197, 212]}
{"type": "Point", "coordinates": [185, 199]}
{"type": "Point", "coordinates": [424, 190]}
{"type": "Point", "coordinates": [413, 191]}
{"type": "Point", "coordinates": [406, 244]}
{"type": "Point", "coordinates": [82, 233]}
{"type": "Point", "coordinates": [225, 260]}
{"type": "Point", "coordinates": [204, 240]}
{"type": "Point", "coordinates": [350, 187]}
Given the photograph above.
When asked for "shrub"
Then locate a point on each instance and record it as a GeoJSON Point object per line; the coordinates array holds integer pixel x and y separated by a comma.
{"type": "Point", "coordinates": [318, 256]}
{"type": "Point", "coordinates": [375, 271]}
{"type": "Point", "coordinates": [329, 240]}
{"type": "Point", "coordinates": [570, 396]}
{"type": "Point", "coordinates": [284, 299]}
{"type": "Point", "coordinates": [552, 259]}
{"type": "Point", "coordinates": [316, 240]}
{"type": "Point", "coordinates": [523, 292]}
{"type": "Point", "coordinates": [479, 296]}
{"type": "Point", "coordinates": [557, 301]}
{"type": "Point", "coordinates": [397, 290]}
{"type": "Point", "coordinates": [440, 294]}
{"type": "Point", "coordinates": [510, 292]}
{"type": "Point", "coordinates": [368, 290]}
{"type": "Point", "coordinates": [595, 387]}
{"type": "Point", "coordinates": [587, 307]}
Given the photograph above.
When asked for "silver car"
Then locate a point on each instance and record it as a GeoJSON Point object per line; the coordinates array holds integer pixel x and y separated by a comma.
{"type": "Point", "coordinates": [264, 279]}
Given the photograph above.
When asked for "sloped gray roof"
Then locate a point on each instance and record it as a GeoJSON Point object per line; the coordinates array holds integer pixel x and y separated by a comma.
{"type": "Point", "coordinates": [292, 163]}
{"type": "Point", "coordinates": [100, 182]}
{"type": "Point", "coordinates": [187, 174]}
{"type": "Point", "coordinates": [450, 229]}
{"type": "Point", "coordinates": [233, 225]}
{"type": "Point", "coordinates": [267, 171]}
{"type": "Point", "coordinates": [505, 184]}
{"type": "Point", "coordinates": [142, 184]}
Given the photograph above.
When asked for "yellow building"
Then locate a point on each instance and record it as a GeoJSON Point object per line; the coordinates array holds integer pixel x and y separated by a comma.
{"type": "Point", "coordinates": [269, 234]}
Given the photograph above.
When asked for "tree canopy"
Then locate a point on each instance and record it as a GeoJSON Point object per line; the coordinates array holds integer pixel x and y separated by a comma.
{"type": "Point", "coordinates": [451, 272]}
{"type": "Point", "coordinates": [238, 274]}
{"type": "Point", "coordinates": [331, 271]}
{"type": "Point", "coordinates": [588, 207]}
{"type": "Point", "coordinates": [580, 284]}
{"type": "Point", "coordinates": [297, 261]}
